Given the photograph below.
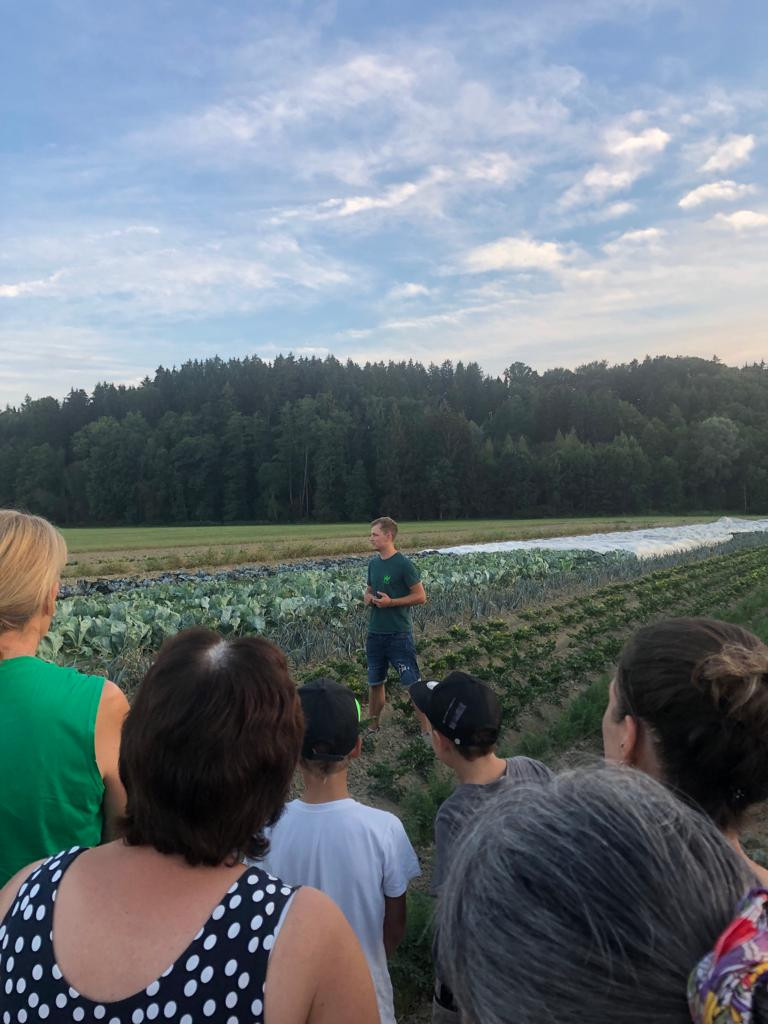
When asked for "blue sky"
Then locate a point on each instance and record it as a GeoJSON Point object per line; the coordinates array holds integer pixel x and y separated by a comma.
{"type": "Point", "coordinates": [551, 182]}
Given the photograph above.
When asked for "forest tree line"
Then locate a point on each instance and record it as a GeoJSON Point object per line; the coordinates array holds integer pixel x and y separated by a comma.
{"type": "Point", "coordinates": [317, 439]}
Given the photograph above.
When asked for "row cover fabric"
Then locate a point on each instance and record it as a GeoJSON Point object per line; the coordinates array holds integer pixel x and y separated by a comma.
{"type": "Point", "coordinates": [649, 543]}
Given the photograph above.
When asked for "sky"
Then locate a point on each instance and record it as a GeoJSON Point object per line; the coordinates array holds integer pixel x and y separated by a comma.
{"type": "Point", "coordinates": [547, 182]}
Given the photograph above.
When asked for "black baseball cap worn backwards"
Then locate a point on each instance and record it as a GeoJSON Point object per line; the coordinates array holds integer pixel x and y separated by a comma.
{"type": "Point", "coordinates": [461, 707]}
{"type": "Point", "coordinates": [332, 720]}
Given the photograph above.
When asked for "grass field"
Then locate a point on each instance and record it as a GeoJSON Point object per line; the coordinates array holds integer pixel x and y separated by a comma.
{"type": "Point", "coordinates": [127, 550]}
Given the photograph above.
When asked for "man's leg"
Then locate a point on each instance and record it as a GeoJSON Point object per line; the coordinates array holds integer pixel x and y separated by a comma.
{"type": "Point", "coordinates": [375, 649]}
{"type": "Point", "coordinates": [403, 657]}
{"type": "Point", "coordinates": [377, 698]}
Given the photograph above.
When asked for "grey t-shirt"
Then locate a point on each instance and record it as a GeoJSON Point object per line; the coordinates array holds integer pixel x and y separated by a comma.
{"type": "Point", "coordinates": [464, 803]}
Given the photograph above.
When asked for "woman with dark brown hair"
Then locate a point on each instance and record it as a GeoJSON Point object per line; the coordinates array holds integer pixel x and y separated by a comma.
{"type": "Point", "coordinates": [167, 923]}
{"type": "Point", "coordinates": [689, 705]}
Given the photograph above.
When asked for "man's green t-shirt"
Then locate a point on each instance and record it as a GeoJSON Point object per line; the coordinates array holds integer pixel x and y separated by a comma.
{"type": "Point", "coordinates": [394, 576]}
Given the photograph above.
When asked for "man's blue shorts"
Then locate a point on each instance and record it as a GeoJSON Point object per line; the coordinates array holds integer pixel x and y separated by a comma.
{"type": "Point", "coordinates": [395, 649]}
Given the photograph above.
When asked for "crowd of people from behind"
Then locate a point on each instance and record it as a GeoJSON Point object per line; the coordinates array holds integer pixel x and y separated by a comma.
{"type": "Point", "coordinates": [186, 888]}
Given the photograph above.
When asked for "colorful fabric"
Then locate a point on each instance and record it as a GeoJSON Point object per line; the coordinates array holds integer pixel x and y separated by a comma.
{"type": "Point", "coordinates": [721, 987]}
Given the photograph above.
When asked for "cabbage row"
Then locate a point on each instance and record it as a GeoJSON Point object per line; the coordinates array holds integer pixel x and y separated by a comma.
{"type": "Point", "coordinates": [318, 612]}
{"type": "Point", "coordinates": [290, 605]}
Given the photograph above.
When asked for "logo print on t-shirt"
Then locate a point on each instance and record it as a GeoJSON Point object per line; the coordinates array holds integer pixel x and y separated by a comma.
{"type": "Point", "coordinates": [387, 579]}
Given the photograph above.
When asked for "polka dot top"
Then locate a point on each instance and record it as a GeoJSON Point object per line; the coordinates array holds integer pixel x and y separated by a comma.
{"type": "Point", "coordinates": [219, 977]}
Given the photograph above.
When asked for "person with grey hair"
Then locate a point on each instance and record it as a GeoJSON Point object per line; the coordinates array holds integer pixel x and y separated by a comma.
{"type": "Point", "coordinates": [593, 898]}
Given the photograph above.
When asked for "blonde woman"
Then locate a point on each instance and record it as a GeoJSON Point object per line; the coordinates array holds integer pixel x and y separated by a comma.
{"type": "Point", "coordinates": [59, 729]}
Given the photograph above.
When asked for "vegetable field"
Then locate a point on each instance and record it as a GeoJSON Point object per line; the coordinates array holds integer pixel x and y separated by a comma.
{"type": "Point", "coordinates": [317, 613]}
{"type": "Point", "coordinates": [544, 627]}
{"type": "Point", "coordinates": [306, 612]}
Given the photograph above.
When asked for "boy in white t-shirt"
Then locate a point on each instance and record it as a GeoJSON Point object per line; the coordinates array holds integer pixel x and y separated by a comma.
{"type": "Point", "coordinates": [358, 855]}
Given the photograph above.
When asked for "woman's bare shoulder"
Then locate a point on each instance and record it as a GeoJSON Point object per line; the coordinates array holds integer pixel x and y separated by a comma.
{"type": "Point", "coordinates": [317, 971]}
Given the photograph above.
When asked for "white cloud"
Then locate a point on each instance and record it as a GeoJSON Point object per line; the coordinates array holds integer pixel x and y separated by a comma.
{"type": "Point", "coordinates": [388, 199]}
{"type": "Point", "coordinates": [330, 90]}
{"type": "Point", "coordinates": [734, 151]}
{"type": "Point", "coordinates": [486, 169]}
{"type": "Point", "coordinates": [647, 143]}
{"type": "Point", "coordinates": [743, 219]}
{"type": "Point", "coordinates": [129, 273]}
{"type": "Point", "coordinates": [630, 157]}
{"type": "Point", "coordinates": [394, 196]}
{"type": "Point", "coordinates": [383, 154]}
{"type": "Point", "coordinates": [513, 253]}
{"type": "Point", "coordinates": [635, 239]}
{"type": "Point", "coordinates": [137, 229]}
{"type": "Point", "coordinates": [722, 190]}
{"type": "Point", "coordinates": [496, 168]}
{"type": "Point", "coordinates": [614, 210]}
{"type": "Point", "coordinates": [408, 290]}
{"type": "Point", "coordinates": [312, 350]}
{"type": "Point", "coordinates": [685, 297]}
{"type": "Point", "coordinates": [37, 287]}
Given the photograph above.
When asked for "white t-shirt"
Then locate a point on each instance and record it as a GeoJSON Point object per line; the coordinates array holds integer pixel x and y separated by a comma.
{"type": "Point", "coordinates": [355, 854]}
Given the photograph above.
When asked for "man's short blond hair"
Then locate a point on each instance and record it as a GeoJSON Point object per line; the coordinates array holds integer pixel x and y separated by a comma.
{"type": "Point", "coordinates": [387, 525]}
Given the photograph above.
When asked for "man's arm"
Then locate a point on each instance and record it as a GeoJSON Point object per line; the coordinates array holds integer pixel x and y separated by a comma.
{"type": "Point", "coordinates": [417, 595]}
{"type": "Point", "coordinates": [368, 595]}
{"type": "Point", "coordinates": [394, 922]}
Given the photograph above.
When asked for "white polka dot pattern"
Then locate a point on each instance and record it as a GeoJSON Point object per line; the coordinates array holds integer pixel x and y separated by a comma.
{"type": "Point", "coordinates": [219, 977]}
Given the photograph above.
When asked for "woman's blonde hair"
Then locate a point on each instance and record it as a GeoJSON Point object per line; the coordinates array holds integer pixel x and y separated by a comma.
{"type": "Point", "coordinates": [32, 555]}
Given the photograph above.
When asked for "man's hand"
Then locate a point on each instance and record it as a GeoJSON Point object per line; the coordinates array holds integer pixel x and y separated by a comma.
{"type": "Point", "coordinates": [382, 600]}
{"type": "Point", "coordinates": [368, 597]}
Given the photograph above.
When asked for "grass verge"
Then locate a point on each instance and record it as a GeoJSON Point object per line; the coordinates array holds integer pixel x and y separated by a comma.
{"type": "Point", "coordinates": [580, 722]}
{"type": "Point", "coordinates": [411, 967]}
{"type": "Point", "coordinates": [135, 550]}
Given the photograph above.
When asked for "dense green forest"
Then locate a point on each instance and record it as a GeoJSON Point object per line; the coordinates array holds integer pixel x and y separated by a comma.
{"type": "Point", "coordinates": [318, 439]}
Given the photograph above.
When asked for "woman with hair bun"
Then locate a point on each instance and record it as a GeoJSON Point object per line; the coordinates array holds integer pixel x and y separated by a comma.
{"type": "Point", "coordinates": [59, 729]}
{"type": "Point", "coordinates": [689, 706]}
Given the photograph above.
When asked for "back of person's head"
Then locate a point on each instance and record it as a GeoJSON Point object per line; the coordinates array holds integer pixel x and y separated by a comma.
{"type": "Point", "coordinates": [701, 687]}
{"type": "Point", "coordinates": [32, 555]}
{"type": "Point", "coordinates": [592, 898]}
{"type": "Point", "coordinates": [331, 725]}
{"type": "Point", "coordinates": [462, 709]}
{"type": "Point", "coordinates": [209, 747]}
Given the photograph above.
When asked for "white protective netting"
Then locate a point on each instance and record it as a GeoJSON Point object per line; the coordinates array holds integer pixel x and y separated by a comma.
{"type": "Point", "coordinates": [662, 540]}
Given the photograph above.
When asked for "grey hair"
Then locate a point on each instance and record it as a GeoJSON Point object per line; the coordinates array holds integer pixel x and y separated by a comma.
{"type": "Point", "coordinates": [591, 898]}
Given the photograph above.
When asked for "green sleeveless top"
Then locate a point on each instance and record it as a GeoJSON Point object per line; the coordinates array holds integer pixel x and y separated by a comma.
{"type": "Point", "coordinates": [51, 791]}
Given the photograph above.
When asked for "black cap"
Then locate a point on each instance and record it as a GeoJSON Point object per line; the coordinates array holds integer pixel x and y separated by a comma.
{"type": "Point", "coordinates": [461, 707]}
{"type": "Point", "coordinates": [331, 719]}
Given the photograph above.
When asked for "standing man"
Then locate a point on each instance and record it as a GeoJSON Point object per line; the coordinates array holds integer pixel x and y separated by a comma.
{"type": "Point", "coordinates": [394, 586]}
